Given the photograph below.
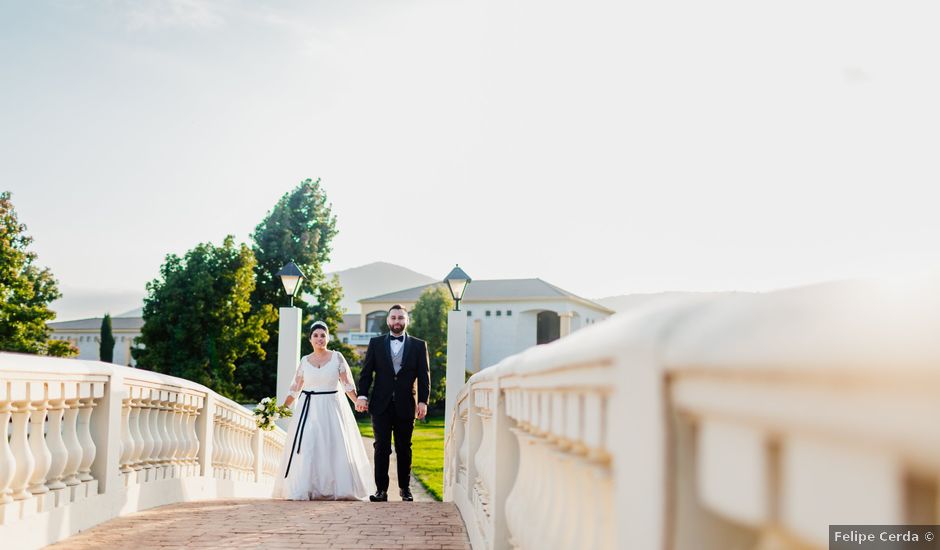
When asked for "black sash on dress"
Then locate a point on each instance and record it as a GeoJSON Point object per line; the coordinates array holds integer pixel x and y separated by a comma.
{"type": "Point", "coordinates": [299, 434]}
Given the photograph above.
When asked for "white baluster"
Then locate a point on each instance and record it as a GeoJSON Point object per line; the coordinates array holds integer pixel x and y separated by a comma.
{"type": "Point", "coordinates": [165, 429]}
{"type": "Point", "coordinates": [227, 447]}
{"type": "Point", "coordinates": [482, 461]}
{"type": "Point", "coordinates": [59, 453]}
{"type": "Point", "coordinates": [182, 442]}
{"type": "Point", "coordinates": [234, 434]}
{"type": "Point", "coordinates": [197, 409]}
{"type": "Point", "coordinates": [173, 423]}
{"type": "Point", "coordinates": [136, 421]}
{"type": "Point", "coordinates": [84, 437]}
{"type": "Point", "coordinates": [146, 410]}
{"type": "Point", "coordinates": [228, 461]}
{"type": "Point", "coordinates": [218, 452]}
{"type": "Point", "coordinates": [228, 450]}
{"type": "Point", "coordinates": [249, 455]}
{"type": "Point", "coordinates": [517, 513]}
{"type": "Point", "coordinates": [188, 440]}
{"type": "Point", "coordinates": [7, 461]}
{"type": "Point", "coordinates": [37, 445]}
{"type": "Point", "coordinates": [72, 445]}
{"type": "Point", "coordinates": [156, 431]}
{"type": "Point", "coordinates": [170, 425]}
{"type": "Point", "coordinates": [127, 442]}
{"type": "Point", "coordinates": [153, 449]}
{"type": "Point", "coordinates": [22, 456]}
{"type": "Point", "coordinates": [193, 436]}
{"type": "Point", "coordinates": [239, 445]}
{"type": "Point", "coordinates": [464, 450]}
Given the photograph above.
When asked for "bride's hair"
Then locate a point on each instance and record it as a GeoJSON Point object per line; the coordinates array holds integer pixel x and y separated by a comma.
{"type": "Point", "coordinates": [319, 325]}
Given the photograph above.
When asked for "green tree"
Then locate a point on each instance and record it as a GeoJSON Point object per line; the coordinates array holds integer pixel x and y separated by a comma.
{"type": "Point", "coordinates": [25, 291]}
{"type": "Point", "coordinates": [198, 322]}
{"type": "Point", "coordinates": [106, 350]}
{"type": "Point", "coordinates": [300, 228]}
{"type": "Point", "coordinates": [429, 322]}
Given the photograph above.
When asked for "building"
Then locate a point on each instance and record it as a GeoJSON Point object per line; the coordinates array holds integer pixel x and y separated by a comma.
{"type": "Point", "coordinates": [348, 332]}
{"type": "Point", "coordinates": [506, 316]}
{"type": "Point", "coordinates": [85, 334]}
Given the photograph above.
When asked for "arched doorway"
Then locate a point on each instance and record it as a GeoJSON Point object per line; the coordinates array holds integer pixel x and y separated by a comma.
{"type": "Point", "coordinates": [548, 327]}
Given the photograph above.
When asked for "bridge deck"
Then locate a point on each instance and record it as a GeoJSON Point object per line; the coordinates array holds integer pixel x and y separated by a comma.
{"type": "Point", "coordinates": [273, 524]}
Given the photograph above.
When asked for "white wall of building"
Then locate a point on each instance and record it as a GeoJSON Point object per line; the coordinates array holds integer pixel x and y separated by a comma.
{"type": "Point", "coordinates": [89, 346]}
{"type": "Point", "coordinates": [504, 333]}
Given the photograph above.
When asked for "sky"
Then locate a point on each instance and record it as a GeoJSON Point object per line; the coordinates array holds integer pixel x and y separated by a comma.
{"type": "Point", "coordinates": [606, 147]}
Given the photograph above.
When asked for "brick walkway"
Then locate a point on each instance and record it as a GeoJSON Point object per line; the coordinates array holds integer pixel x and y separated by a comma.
{"type": "Point", "coordinates": [275, 524]}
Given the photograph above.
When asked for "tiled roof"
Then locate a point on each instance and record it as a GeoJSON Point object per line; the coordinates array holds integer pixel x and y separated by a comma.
{"type": "Point", "coordinates": [488, 290]}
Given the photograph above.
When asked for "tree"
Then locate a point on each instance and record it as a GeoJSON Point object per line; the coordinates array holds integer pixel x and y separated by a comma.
{"type": "Point", "coordinates": [106, 351]}
{"type": "Point", "coordinates": [25, 291]}
{"type": "Point", "coordinates": [300, 228]}
{"type": "Point", "coordinates": [429, 322]}
{"type": "Point", "coordinates": [198, 322]}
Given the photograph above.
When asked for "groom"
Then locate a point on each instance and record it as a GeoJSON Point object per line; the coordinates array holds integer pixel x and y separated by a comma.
{"type": "Point", "coordinates": [399, 364]}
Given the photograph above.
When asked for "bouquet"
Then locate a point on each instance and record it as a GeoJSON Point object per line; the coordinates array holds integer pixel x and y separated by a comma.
{"type": "Point", "coordinates": [268, 411]}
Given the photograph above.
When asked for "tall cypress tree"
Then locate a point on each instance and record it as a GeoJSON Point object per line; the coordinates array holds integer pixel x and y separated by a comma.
{"type": "Point", "coordinates": [106, 351]}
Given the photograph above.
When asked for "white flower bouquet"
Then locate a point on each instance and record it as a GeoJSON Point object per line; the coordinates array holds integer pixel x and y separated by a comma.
{"type": "Point", "coordinates": [268, 411]}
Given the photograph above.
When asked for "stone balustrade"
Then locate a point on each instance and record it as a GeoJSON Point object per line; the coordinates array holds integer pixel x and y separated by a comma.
{"type": "Point", "coordinates": [83, 442]}
{"type": "Point", "coordinates": [744, 421]}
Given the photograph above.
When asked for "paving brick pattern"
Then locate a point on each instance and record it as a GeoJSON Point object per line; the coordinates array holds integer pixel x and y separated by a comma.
{"type": "Point", "coordinates": [275, 524]}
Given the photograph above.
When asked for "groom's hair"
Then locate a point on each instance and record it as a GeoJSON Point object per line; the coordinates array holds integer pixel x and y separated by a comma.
{"type": "Point", "coordinates": [397, 306]}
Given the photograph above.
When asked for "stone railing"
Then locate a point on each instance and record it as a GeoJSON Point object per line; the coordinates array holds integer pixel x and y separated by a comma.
{"type": "Point", "coordinates": [84, 442]}
{"type": "Point", "coordinates": [744, 421]}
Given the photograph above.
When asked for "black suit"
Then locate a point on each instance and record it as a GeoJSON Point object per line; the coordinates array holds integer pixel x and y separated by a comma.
{"type": "Point", "coordinates": [392, 401]}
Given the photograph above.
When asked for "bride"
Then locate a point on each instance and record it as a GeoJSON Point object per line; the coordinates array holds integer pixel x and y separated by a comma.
{"type": "Point", "coordinates": [324, 458]}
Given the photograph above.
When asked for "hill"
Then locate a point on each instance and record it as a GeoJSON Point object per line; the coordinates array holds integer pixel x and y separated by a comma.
{"type": "Point", "coordinates": [374, 279]}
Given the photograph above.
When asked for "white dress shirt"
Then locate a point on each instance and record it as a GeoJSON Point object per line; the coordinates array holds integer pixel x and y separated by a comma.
{"type": "Point", "coordinates": [396, 347]}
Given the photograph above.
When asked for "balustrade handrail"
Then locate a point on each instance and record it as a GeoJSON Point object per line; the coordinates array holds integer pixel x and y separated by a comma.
{"type": "Point", "coordinates": [106, 439]}
{"type": "Point", "coordinates": [744, 420]}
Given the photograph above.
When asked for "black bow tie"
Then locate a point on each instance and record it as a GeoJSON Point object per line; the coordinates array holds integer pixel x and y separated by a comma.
{"type": "Point", "coordinates": [399, 338]}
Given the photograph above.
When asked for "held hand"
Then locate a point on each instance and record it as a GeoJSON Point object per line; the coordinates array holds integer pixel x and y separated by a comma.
{"type": "Point", "coordinates": [362, 406]}
{"type": "Point", "coordinates": [422, 411]}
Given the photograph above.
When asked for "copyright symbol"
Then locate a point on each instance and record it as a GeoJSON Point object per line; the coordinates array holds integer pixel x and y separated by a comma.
{"type": "Point", "coordinates": [929, 536]}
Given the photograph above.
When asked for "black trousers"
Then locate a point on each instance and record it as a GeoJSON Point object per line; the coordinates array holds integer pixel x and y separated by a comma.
{"type": "Point", "coordinates": [384, 425]}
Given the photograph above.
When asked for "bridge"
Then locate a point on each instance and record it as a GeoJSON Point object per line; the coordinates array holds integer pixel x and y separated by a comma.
{"type": "Point", "coordinates": [743, 421]}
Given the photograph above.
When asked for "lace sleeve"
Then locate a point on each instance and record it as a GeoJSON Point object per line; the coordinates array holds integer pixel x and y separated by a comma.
{"type": "Point", "coordinates": [345, 374]}
{"type": "Point", "coordinates": [298, 383]}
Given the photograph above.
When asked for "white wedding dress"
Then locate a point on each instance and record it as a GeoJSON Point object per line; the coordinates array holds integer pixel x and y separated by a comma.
{"type": "Point", "coordinates": [326, 459]}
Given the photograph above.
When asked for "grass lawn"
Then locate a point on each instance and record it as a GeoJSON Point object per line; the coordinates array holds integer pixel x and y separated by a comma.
{"type": "Point", "coordinates": [427, 452]}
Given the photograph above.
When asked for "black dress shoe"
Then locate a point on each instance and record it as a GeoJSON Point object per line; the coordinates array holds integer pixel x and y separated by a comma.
{"type": "Point", "coordinates": [406, 495]}
{"type": "Point", "coordinates": [379, 496]}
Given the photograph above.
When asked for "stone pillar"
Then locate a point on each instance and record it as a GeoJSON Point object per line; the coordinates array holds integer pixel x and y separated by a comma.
{"type": "Point", "coordinates": [288, 349]}
{"type": "Point", "coordinates": [456, 363]}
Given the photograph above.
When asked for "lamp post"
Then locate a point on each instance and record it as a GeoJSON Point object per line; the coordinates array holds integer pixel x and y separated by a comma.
{"type": "Point", "coordinates": [457, 281]}
{"type": "Point", "coordinates": [288, 333]}
{"type": "Point", "coordinates": [290, 276]}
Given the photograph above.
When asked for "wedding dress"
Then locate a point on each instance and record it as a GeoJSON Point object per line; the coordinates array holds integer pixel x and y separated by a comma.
{"type": "Point", "coordinates": [324, 457]}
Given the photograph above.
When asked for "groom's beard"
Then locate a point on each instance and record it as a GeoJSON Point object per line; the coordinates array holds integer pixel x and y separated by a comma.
{"type": "Point", "coordinates": [397, 329]}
